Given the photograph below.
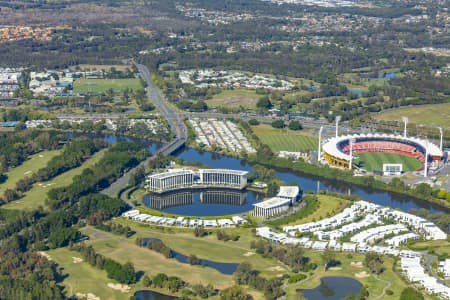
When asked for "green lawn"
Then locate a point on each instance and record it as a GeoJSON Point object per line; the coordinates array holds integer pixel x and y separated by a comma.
{"type": "Point", "coordinates": [84, 278]}
{"type": "Point", "coordinates": [184, 241]}
{"type": "Point", "coordinates": [433, 114]}
{"type": "Point", "coordinates": [235, 98]}
{"type": "Point", "coordinates": [373, 161]}
{"type": "Point", "coordinates": [38, 193]}
{"type": "Point", "coordinates": [347, 269]}
{"type": "Point", "coordinates": [285, 139]}
{"type": "Point", "coordinates": [103, 85]}
{"type": "Point", "coordinates": [27, 168]}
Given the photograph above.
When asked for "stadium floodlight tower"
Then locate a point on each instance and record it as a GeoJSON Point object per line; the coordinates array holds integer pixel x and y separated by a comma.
{"type": "Point", "coordinates": [319, 150]}
{"type": "Point", "coordinates": [441, 132]}
{"type": "Point", "coordinates": [405, 121]}
{"type": "Point", "coordinates": [338, 118]}
{"type": "Point", "coordinates": [351, 142]}
{"type": "Point", "coordinates": [425, 169]}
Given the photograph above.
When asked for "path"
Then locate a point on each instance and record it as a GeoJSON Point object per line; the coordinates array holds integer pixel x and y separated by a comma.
{"type": "Point", "coordinates": [389, 284]}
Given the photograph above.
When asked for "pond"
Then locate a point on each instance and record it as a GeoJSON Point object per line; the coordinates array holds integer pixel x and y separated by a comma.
{"type": "Point", "coordinates": [205, 202]}
{"type": "Point", "coordinates": [224, 268]}
{"type": "Point", "coordinates": [151, 295]}
{"type": "Point", "coordinates": [333, 288]}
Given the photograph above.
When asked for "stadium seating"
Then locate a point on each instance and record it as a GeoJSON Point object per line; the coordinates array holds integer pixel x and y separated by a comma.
{"type": "Point", "coordinates": [385, 146]}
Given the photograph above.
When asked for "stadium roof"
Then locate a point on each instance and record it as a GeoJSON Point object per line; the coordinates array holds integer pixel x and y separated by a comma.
{"type": "Point", "coordinates": [331, 145]}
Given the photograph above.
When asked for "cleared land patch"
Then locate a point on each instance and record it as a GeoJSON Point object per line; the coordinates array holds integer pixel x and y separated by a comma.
{"type": "Point", "coordinates": [235, 98]}
{"type": "Point", "coordinates": [27, 168]}
{"type": "Point", "coordinates": [285, 139]}
{"type": "Point", "coordinates": [38, 193]}
{"type": "Point", "coordinates": [434, 114]}
{"type": "Point", "coordinates": [373, 161]}
{"type": "Point", "coordinates": [103, 85]}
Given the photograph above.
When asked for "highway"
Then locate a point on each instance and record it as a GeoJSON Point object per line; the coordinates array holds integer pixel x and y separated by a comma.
{"type": "Point", "coordinates": [176, 125]}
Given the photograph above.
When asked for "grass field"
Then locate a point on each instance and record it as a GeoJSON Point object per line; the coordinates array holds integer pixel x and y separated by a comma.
{"type": "Point", "coordinates": [285, 139]}
{"type": "Point", "coordinates": [235, 98]}
{"type": "Point", "coordinates": [355, 270]}
{"type": "Point", "coordinates": [184, 242]}
{"type": "Point", "coordinates": [103, 85]}
{"type": "Point", "coordinates": [38, 193]}
{"type": "Point", "coordinates": [84, 278]}
{"type": "Point", "coordinates": [30, 166]}
{"type": "Point", "coordinates": [373, 161]}
{"type": "Point", "coordinates": [434, 114]}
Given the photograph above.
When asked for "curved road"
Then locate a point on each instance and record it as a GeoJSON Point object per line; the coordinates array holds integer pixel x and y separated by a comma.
{"type": "Point", "coordinates": [176, 125]}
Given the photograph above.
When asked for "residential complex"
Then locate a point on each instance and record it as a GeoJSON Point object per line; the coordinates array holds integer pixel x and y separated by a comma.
{"type": "Point", "coordinates": [221, 134]}
{"type": "Point", "coordinates": [9, 82]}
{"type": "Point", "coordinates": [286, 196]}
{"type": "Point", "coordinates": [183, 178]}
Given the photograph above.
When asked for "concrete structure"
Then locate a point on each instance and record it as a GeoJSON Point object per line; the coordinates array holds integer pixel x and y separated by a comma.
{"type": "Point", "coordinates": [336, 150]}
{"type": "Point", "coordinates": [392, 169]}
{"type": "Point", "coordinates": [289, 192]}
{"type": "Point", "coordinates": [175, 179]}
{"type": "Point", "coordinates": [271, 207]}
{"type": "Point", "coordinates": [171, 180]}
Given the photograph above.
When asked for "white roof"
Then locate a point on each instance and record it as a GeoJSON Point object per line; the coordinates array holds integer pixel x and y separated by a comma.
{"type": "Point", "coordinates": [288, 191]}
{"type": "Point", "coordinates": [272, 203]}
{"type": "Point", "coordinates": [223, 171]}
{"type": "Point", "coordinates": [331, 145]}
{"type": "Point", "coordinates": [170, 173]}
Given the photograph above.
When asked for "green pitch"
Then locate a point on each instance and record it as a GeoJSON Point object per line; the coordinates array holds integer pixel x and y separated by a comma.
{"type": "Point", "coordinates": [103, 85]}
{"type": "Point", "coordinates": [285, 139]}
{"type": "Point", "coordinates": [373, 161]}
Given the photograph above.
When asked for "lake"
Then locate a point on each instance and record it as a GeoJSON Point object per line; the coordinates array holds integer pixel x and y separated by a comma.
{"type": "Point", "coordinates": [333, 288]}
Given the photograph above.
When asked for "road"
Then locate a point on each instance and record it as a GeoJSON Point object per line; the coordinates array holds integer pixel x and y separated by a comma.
{"type": "Point", "coordinates": [176, 125]}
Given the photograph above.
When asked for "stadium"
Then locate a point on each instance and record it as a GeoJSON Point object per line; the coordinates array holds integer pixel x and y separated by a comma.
{"type": "Point", "coordinates": [343, 151]}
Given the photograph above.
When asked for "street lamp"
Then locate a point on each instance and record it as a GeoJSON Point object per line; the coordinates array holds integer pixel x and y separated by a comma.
{"type": "Point", "coordinates": [338, 118]}
{"type": "Point", "coordinates": [320, 142]}
{"type": "Point", "coordinates": [405, 121]}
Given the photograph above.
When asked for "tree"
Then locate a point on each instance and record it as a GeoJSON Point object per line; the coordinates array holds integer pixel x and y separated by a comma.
{"type": "Point", "coordinates": [374, 262]}
{"type": "Point", "coordinates": [253, 122]}
{"type": "Point", "coordinates": [410, 294]}
{"type": "Point", "coordinates": [193, 259]}
{"type": "Point", "coordinates": [295, 125]}
{"type": "Point", "coordinates": [278, 124]}
{"type": "Point", "coordinates": [234, 293]}
{"type": "Point", "coordinates": [264, 103]}
{"type": "Point", "coordinates": [328, 256]}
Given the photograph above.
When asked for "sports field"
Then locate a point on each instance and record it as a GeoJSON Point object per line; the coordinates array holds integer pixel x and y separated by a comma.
{"type": "Point", "coordinates": [103, 85]}
{"type": "Point", "coordinates": [433, 114]}
{"type": "Point", "coordinates": [373, 161]}
{"type": "Point", "coordinates": [285, 139]}
{"type": "Point", "coordinates": [235, 98]}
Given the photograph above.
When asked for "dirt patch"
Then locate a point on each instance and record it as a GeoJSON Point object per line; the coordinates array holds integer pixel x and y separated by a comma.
{"type": "Point", "coordinates": [357, 264]}
{"type": "Point", "coordinates": [362, 274]}
{"type": "Point", "coordinates": [249, 254]}
{"type": "Point", "coordinates": [44, 254]}
{"type": "Point", "coordinates": [276, 268]}
{"type": "Point", "coordinates": [88, 296]}
{"type": "Point", "coordinates": [120, 287]}
{"type": "Point", "coordinates": [76, 260]}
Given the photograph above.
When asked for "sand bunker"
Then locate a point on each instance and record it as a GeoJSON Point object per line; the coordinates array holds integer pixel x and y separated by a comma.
{"type": "Point", "coordinates": [27, 172]}
{"type": "Point", "coordinates": [46, 255]}
{"type": "Point", "coordinates": [362, 274]}
{"type": "Point", "coordinates": [277, 268]}
{"type": "Point", "coordinates": [76, 260]}
{"type": "Point", "coordinates": [40, 155]}
{"type": "Point", "coordinates": [335, 268]}
{"type": "Point", "coordinates": [249, 254]}
{"type": "Point", "coordinates": [88, 296]}
{"type": "Point", "coordinates": [357, 264]}
{"type": "Point", "coordinates": [120, 287]}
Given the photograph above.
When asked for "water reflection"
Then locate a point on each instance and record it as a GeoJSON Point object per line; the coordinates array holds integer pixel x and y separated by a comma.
{"type": "Point", "coordinates": [151, 295]}
{"type": "Point", "coordinates": [205, 202]}
{"type": "Point", "coordinates": [333, 288]}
